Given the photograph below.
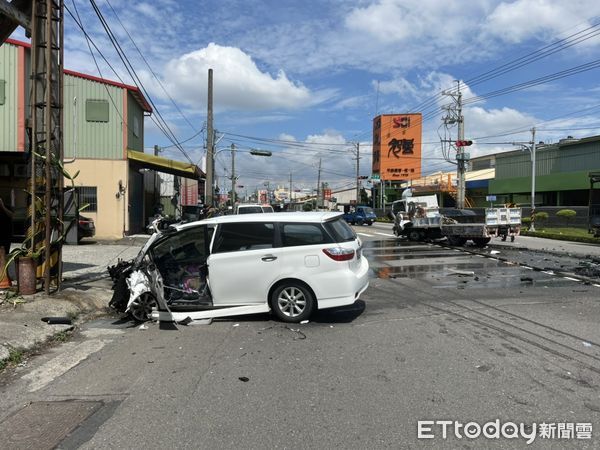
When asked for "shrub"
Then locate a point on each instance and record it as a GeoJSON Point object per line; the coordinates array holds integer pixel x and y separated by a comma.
{"type": "Point", "coordinates": [526, 220]}
{"type": "Point", "coordinates": [540, 217]}
{"type": "Point", "coordinates": [566, 214]}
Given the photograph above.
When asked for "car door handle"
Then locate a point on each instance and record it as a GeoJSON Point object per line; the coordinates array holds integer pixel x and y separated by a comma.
{"type": "Point", "coordinates": [268, 258]}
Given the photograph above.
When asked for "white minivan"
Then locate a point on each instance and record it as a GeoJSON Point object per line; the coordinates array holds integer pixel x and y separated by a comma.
{"type": "Point", "coordinates": [288, 263]}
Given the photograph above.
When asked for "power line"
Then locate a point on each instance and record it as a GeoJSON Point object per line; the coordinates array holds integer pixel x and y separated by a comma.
{"type": "Point", "coordinates": [150, 68]}
{"type": "Point", "coordinates": [133, 74]}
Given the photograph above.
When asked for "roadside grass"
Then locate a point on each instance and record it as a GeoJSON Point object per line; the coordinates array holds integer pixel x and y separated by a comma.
{"type": "Point", "coordinates": [15, 356]}
{"type": "Point", "coordinates": [562, 233]}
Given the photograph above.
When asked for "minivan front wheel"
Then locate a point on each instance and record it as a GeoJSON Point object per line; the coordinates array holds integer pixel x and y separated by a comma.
{"type": "Point", "coordinates": [292, 302]}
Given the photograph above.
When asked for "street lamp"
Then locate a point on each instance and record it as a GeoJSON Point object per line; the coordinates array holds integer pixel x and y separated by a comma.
{"type": "Point", "coordinates": [532, 151]}
{"type": "Point", "coordinates": [234, 178]}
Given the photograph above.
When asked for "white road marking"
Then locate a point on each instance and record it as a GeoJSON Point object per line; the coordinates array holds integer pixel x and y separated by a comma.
{"type": "Point", "coordinates": [384, 234]}
{"type": "Point", "coordinates": [527, 267]}
{"type": "Point", "coordinates": [572, 279]}
{"type": "Point", "coordinates": [364, 234]}
{"type": "Point", "coordinates": [549, 272]}
{"type": "Point", "coordinates": [56, 367]}
{"type": "Point", "coordinates": [597, 285]}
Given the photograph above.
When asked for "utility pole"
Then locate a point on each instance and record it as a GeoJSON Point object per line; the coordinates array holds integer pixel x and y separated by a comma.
{"type": "Point", "coordinates": [357, 173]}
{"type": "Point", "coordinates": [319, 185]}
{"type": "Point", "coordinates": [232, 174]}
{"type": "Point", "coordinates": [455, 116]}
{"type": "Point", "coordinates": [208, 183]}
{"type": "Point", "coordinates": [290, 187]}
{"type": "Point", "coordinates": [156, 191]}
{"type": "Point", "coordinates": [460, 151]}
{"type": "Point", "coordinates": [532, 226]}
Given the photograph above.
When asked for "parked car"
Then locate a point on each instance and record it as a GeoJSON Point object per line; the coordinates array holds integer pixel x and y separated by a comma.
{"type": "Point", "coordinates": [85, 227]}
{"type": "Point", "coordinates": [288, 263]}
{"type": "Point", "coordinates": [361, 215]}
{"type": "Point", "coordinates": [248, 208]}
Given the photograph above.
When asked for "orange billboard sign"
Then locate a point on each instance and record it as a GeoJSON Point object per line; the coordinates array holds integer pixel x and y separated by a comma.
{"type": "Point", "coordinates": [397, 146]}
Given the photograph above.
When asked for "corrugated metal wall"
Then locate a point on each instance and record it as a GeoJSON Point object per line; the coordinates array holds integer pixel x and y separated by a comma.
{"type": "Point", "coordinates": [134, 112]}
{"type": "Point", "coordinates": [550, 160]}
{"type": "Point", "coordinates": [580, 157]}
{"type": "Point", "coordinates": [102, 140]}
{"type": "Point", "coordinates": [8, 111]}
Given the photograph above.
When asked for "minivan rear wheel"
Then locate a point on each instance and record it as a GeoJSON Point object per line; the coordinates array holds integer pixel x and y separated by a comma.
{"type": "Point", "coordinates": [292, 302]}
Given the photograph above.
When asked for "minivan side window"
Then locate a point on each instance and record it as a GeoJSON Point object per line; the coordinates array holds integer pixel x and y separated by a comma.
{"type": "Point", "coordinates": [293, 234]}
{"type": "Point", "coordinates": [234, 237]}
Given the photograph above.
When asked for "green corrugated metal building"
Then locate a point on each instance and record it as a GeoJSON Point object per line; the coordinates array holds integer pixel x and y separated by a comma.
{"type": "Point", "coordinates": [561, 173]}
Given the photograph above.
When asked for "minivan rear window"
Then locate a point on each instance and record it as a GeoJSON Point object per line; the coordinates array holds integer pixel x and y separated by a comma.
{"type": "Point", "coordinates": [293, 234]}
{"type": "Point", "coordinates": [249, 209]}
{"type": "Point", "coordinates": [340, 230]}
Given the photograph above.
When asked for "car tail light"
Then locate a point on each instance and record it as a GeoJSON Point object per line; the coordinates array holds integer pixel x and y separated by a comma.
{"type": "Point", "coordinates": [339, 253]}
{"type": "Point", "coordinates": [84, 222]}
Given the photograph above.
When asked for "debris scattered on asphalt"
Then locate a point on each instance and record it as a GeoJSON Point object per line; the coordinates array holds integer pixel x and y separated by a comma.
{"type": "Point", "coordinates": [527, 279]}
{"type": "Point", "coordinates": [143, 327]}
{"type": "Point", "coordinates": [494, 252]}
{"type": "Point", "coordinates": [586, 344]}
{"type": "Point", "coordinates": [57, 320]}
{"type": "Point", "coordinates": [236, 324]}
{"type": "Point", "coordinates": [304, 322]}
{"type": "Point", "coordinates": [198, 322]}
{"type": "Point", "coordinates": [244, 379]}
{"type": "Point", "coordinates": [301, 335]}
{"type": "Point", "coordinates": [462, 273]}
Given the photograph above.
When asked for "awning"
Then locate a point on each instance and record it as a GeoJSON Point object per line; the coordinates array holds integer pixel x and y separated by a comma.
{"type": "Point", "coordinates": [165, 165]}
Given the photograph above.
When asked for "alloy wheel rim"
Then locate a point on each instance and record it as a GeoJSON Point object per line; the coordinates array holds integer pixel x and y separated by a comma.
{"type": "Point", "coordinates": [291, 302]}
{"type": "Point", "coordinates": [141, 308]}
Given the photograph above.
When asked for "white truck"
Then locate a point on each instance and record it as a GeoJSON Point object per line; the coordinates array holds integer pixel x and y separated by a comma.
{"type": "Point", "coordinates": [420, 218]}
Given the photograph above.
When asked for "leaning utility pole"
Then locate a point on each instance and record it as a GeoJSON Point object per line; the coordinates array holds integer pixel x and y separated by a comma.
{"type": "Point", "coordinates": [232, 174]}
{"type": "Point", "coordinates": [209, 181]}
{"type": "Point", "coordinates": [46, 199]}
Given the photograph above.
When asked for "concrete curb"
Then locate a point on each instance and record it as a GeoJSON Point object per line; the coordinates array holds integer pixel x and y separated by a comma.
{"type": "Point", "coordinates": [21, 325]}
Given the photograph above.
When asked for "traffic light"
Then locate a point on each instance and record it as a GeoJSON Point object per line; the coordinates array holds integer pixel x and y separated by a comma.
{"type": "Point", "coordinates": [463, 143]}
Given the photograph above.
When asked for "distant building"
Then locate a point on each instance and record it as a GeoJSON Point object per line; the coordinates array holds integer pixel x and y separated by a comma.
{"type": "Point", "coordinates": [103, 140]}
{"type": "Point", "coordinates": [561, 174]}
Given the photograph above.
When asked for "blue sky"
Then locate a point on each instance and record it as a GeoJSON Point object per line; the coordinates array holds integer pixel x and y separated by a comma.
{"type": "Point", "coordinates": [304, 79]}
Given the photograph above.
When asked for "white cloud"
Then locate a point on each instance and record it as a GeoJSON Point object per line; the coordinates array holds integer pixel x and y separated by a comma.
{"type": "Point", "coordinates": [238, 82]}
{"type": "Point", "coordinates": [394, 21]}
{"type": "Point", "coordinates": [522, 19]}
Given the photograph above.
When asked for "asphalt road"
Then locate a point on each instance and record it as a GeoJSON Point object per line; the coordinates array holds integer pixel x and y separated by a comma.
{"type": "Point", "coordinates": [439, 335]}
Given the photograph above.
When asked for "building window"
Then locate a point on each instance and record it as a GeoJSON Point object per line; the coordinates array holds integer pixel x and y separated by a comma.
{"type": "Point", "coordinates": [96, 110]}
{"type": "Point", "coordinates": [136, 126]}
{"type": "Point", "coordinates": [2, 92]}
{"type": "Point", "coordinates": [88, 195]}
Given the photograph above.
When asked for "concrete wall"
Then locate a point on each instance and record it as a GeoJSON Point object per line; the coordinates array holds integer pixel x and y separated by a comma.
{"type": "Point", "coordinates": [111, 218]}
